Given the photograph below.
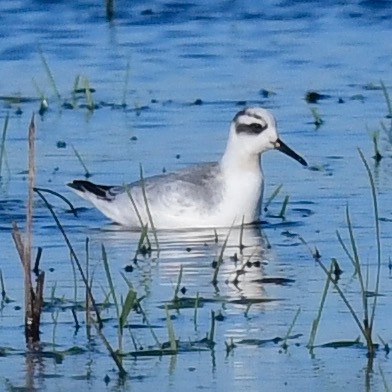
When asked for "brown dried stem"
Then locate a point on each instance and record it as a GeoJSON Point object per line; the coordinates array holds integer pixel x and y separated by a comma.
{"type": "Point", "coordinates": [33, 297]}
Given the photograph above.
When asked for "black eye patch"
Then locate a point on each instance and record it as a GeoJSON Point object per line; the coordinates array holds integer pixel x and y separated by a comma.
{"type": "Point", "coordinates": [251, 129]}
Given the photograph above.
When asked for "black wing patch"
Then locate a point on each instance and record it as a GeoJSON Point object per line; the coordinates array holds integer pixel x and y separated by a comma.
{"type": "Point", "coordinates": [98, 190]}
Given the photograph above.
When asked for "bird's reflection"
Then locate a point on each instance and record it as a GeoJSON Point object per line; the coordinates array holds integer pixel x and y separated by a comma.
{"type": "Point", "coordinates": [240, 253]}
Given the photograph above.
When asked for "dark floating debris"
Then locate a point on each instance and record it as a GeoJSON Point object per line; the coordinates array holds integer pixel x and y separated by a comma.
{"type": "Point", "coordinates": [314, 96]}
{"type": "Point", "coordinates": [252, 301]}
{"type": "Point", "coordinates": [83, 90]}
{"type": "Point", "coordinates": [10, 99]}
{"type": "Point", "coordinates": [358, 97]}
{"type": "Point", "coordinates": [241, 103]}
{"type": "Point", "coordinates": [337, 271]}
{"type": "Point", "coordinates": [304, 212]}
{"type": "Point", "coordinates": [266, 93]}
{"type": "Point", "coordinates": [61, 144]}
{"type": "Point", "coordinates": [184, 302]}
{"type": "Point", "coordinates": [262, 342]}
{"type": "Point", "coordinates": [372, 87]}
{"type": "Point", "coordinates": [67, 105]}
{"type": "Point", "coordinates": [219, 316]}
{"type": "Point", "coordinates": [275, 280]}
{"type": "Point", "coordinates": [106, 380]}
{"type": "Point", "coordinates": [147, 12]}
{"type": "Point", "coordinates": [198, 102]}
{"type": "Point", "coordinates": [345, 344]}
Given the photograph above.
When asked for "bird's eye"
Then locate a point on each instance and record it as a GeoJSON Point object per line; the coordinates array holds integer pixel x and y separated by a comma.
{"type": "Point", "coordinates": [257, 128]}
{"type": "Point", "coordinates": [251, 129]}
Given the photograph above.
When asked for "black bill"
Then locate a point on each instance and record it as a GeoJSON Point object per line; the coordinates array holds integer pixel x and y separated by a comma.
{"type": "Point", "coordinates": [279, 145]}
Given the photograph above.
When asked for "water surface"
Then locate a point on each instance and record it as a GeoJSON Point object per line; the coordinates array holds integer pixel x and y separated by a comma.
{"type": "Point", "coordinates": [192, 66]}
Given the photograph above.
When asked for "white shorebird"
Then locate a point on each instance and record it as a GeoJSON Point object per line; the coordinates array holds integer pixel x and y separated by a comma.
{"type": "Point", "coordinates": [216, 194]}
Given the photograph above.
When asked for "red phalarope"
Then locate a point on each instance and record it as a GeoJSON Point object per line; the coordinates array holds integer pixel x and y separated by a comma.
{"type": "Point", "coordinates": [217, 194]}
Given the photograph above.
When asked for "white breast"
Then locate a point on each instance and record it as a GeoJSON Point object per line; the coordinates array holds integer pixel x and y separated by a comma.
{"type": "Point", "coordinates": [244, 190]}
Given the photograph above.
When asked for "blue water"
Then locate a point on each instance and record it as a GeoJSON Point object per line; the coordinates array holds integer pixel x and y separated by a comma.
{"type": "Point", "coordinates": [226, 55]}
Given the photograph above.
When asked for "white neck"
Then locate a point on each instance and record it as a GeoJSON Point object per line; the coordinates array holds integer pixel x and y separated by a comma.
{"type": "Point", "coordinates": [244, 182]}
{"type": "Point", "coordinates": [237, 160]}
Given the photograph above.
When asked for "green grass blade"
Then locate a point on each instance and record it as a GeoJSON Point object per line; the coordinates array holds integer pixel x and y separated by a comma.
{"type": "Point", "coordinates": [211, 334]}
{"type": "Point", "coordinates": [127, 307]}
{"type": "Point", "coordinates": [63, 198]}
{"type": "Point", "coordinates": [89, 96]}
{"type": "Point", "coordinates": [282, 213]}
{"type": "Point", "coordinates": [177, 289]}
{"type": "Point", "coordinates": [2, 145]}
{"type": "Point", "coordinates": [387, 388]}
{"type": "Point", "coordinates": [377, 155]}
{"type": "Point", "coordinates": [87, 174]}
{"type": "Point", "coordinates": [110, 280]}
{"type": "Point", "coordinates": [357, 264]}
{"type": "Point", "coordinates": [170, 330]}
{"type": "Point", "coordinates": [74, 90]}
{"type": "Point", "coordinates": [343, 297]}
{"type": "Point", "coordinates": [72, 251]}
{"type": "Point", "coordinates": [284, 343]}
{"type": "Point", "coordinates": [40, 92]}
{"type": "Point", "coordinates": [139, 217]}
{"type": "Point", "coordinates": [3, 293]}
{"type": "Point", "coordinates": [316, 321]}
{"type": "Point", "coordinates": [317, 120]}
{"type": "Point", "coordinates": [4, 297]}
{"type": "Point", "coordinates": [343, 245]}
{"type": "Point", "coordinates": [50, 75]}
{"type": "Point", "coordinates": [195, 312]}
{"type": "Point", "coordinates": [127, 281]}
{"type": "Point", "coordinates": [141, 247]}
{"type": "Point", "coordinates": [378, 237]}
{"type": "Point", "coordinates": [389, 106]}
{"type": "Point", "coordinates": [272, 197]}
{"type": "Point", "coordinates": [116, 358]}
{"type": "Point", "coordinates": [154, 232]}
{"type": "Point", "coordinates": [220, 259]}
{"type": "Point", "coordinates": [126, 82]}
{"type": "Point", "coordinates": [241, 245]}
{"type": "Point", "coordinates": [387, 98]}
{"type": "Point", "coordinates": [141, 310]}
{"type": "Point", "coordinates": [75, 286]}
